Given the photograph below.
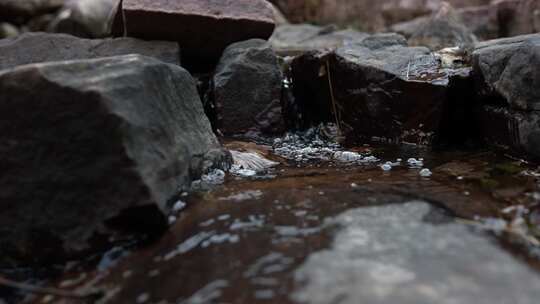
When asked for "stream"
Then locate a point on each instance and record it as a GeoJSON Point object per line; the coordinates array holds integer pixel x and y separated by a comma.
{"type": "Point", "coordinates": [374, 224]}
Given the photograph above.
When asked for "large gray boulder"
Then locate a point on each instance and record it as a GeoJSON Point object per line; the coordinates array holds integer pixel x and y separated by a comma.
{"type": "Point", "coordinates": [507, 80]}
{"type": "Point", "coordinates": [401, 254]}
{"type": "Point", "coordinates": [247, 89]}
{"type": "Point", "coordinates": [95, 149]}
{"type": "Point", "coordinates": [509, 69]}
{"type": "Point", "coordinates": [41, 47]}
{"type": "Point", "coordinates": [204, 28]}
{"type": "Point", "coordinates": [378, 89]}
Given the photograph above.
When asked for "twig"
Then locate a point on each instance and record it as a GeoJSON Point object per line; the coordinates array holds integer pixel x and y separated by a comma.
{"type": "Point", "coordinates": [336, 115]}
{"type": "Point", "coordinates": [44, 290]}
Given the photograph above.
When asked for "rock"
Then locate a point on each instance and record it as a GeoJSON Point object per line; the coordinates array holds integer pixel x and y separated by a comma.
{"type": "Point", "coordinates": [511, 129]}
{"type": "Point", "coordinates": [393, 92]}
{"type": "Point", "coordinates": [18, 11]}
{"type": "Point", "coordinates": [412, 253]}
{"type": "Point", "coordinates": [381, 41]}
{"type": "Point", "coordinates": [480, 20]}
{"type": "Point", "coordinates": [508, 69]}
{"type": "Point", "coordinates": [40, 23]}
{"type": "Point", "coordinates": [86, 18]}
{"type": "Point", "coordinates": [507, 81]}
{"type": "Point", "coordinates": [364, 15]}
{"type": "Point", "coordinates": [279, 18]}
{"type": "Point", "coordinates": [444, 29]}
{"type": "Point", "coordinates": [518, 17]}
{"type": "Point", "coordinates": [251, 161]}
{"type": "Point", "coordinates": [247, 89]}
{"type": "Point", "coordinates": [204, 28]}
{"type": "Point", "coordinates": [92, 150]}
{"type": "Point", "coordinates": [409, 27]}
{"type": "Point", "coordinates": [40, 47]}
{"type": "Point", "coordinates": [8, 30]}
{"type": "Point", "coordinates": [294, 39]}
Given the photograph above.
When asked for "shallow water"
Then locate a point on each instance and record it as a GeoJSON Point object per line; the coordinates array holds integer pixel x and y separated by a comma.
{"type": "Point", "coordinates": [247, 240]}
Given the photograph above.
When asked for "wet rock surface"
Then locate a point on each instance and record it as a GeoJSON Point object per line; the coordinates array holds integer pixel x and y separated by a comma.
{"type": "Point", "coordinates": [247, 90]}
{"type": "Point", "coordinates": [506, 77]}
{"type": "Point", "coordinates": [41, 47]}
{"type": "Point", "coordinates": [203, 28]}
{"type": "Point", "coordinates": [516, 130]}
{"type": "Point", "coordinates": [376, 88]}
{"type": "Point", "coordinates": [508, 68]}
{"type": "Point", "coordinates": [386, 254]}
{"type": "Point", "coordinates": [92, 151]}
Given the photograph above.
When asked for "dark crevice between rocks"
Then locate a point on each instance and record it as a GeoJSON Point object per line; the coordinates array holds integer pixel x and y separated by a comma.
{"type": "Point", "coordinates": [205, 88]}
{"type": "Point", "coordinates": [196, 64]}
{"type": "Point", "coordinates": [459, 126]}
{"type": "Point", "coordinates": [310, 88]}
{"type": "Point", "coordinates": [146, 220]}
{"type": "Point", "coordinates": [309, 102]}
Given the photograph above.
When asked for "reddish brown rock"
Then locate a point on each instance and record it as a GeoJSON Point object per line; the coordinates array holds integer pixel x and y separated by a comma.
{"type": "Point", "coordinates": [366, 15]}
{"type": "Point", "coordinates": [203, 27]}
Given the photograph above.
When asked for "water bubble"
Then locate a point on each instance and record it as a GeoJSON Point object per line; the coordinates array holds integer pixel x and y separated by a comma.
{"type": "Point", "coordinates": [214, 177]}
{"type": "Point", "coordinates": [347, 157]}
{"type": "Point", "coordinates": [425, 172]}
{"type": "Point", "coordinates": [178, 206]}
{"type": "Point", "coordinates": [143, 298]}
{"type": "Point", "coordinates": [414, 163]}
{"type": "Point", "coordinates": [386, 167]}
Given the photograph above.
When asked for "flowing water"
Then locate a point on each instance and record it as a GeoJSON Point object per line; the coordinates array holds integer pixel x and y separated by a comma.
{"type": "Point", "coordinates": [317, 224]}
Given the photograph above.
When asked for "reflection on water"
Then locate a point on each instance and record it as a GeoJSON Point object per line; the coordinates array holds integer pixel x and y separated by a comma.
{"type": "Point", "coordinates": [243, 241]}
